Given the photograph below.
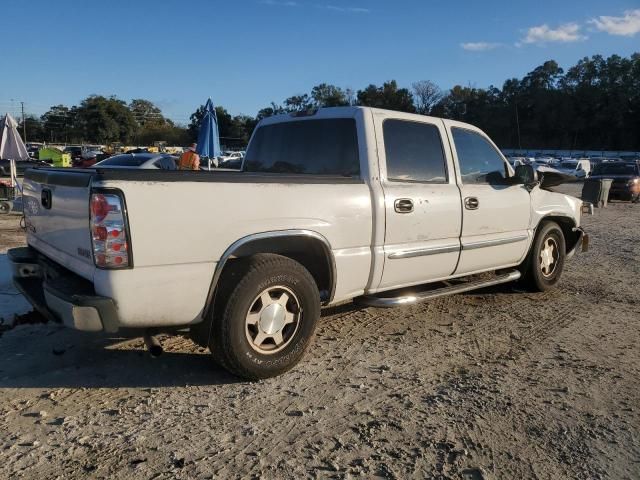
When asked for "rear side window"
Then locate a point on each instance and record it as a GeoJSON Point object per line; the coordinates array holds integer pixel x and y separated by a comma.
{"type": "Point", "coordinates": [479, 161]}
{"type": "Point", "coordinates": [414, 152]}
{"type": "Point", "coordinates": [315, 147]}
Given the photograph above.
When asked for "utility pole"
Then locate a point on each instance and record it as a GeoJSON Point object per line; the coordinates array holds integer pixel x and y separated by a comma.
{"type": "Point", "coordinates": [24, 125]}
{"type": "Point", "coordinates": [518, 124]}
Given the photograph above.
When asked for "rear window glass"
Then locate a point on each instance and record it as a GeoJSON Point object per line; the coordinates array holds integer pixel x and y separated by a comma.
{"type": "Point", "coordinates": [124, 161]}
{"type": "Point", "coordinates": [316, 147]}
{"type": "Point", "coordinates": [414, 152]}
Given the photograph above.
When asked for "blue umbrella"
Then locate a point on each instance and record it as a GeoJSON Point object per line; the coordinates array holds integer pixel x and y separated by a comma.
{"type": "Point", "coordinates": [208, 137]}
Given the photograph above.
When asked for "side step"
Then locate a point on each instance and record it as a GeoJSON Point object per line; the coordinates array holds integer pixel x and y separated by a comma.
{"type": "Point", "coordinates": [382, 301]}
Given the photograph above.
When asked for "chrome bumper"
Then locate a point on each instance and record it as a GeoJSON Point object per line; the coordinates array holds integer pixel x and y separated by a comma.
{"type": "Point", "coordinates": [64, 298]}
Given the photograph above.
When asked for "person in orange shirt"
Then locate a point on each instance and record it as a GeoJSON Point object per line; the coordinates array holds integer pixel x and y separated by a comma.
{"type": "Point", "coordinates": [189, 160]}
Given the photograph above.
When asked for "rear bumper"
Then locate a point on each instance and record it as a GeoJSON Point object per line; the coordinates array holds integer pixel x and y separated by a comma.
{"type": "Point", "coordinates": [60, 295]}
{"type": "Point", "coordinates": [582, 243]}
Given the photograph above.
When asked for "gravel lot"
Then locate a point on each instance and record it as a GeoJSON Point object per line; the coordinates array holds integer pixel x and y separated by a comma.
{"type": "Point", "coordinates": [489, 385]}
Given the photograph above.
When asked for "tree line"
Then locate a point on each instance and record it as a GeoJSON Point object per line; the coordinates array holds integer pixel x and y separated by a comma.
{"type": "Point", "coordinates": [594, 105]}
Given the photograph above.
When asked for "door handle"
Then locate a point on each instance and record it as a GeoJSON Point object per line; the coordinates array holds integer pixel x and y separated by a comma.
{"type": "Point", "coordinates": [403, 205]}
{"type": "Point", "coordinates": [471, 203]}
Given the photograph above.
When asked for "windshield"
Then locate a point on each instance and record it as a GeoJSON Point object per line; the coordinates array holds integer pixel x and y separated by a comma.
{"type": "Point", "coordinates": [615, 169]}
{"type": "Point", "coordinates": [569, 165]}
{"type": "Point", "coordinates": [123, 161]}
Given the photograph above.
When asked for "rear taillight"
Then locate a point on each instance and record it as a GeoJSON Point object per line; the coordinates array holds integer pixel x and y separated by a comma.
{"type": "Point", "coordinates": [109, 231]}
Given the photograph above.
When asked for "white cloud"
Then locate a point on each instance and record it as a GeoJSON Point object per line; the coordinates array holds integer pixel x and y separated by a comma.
{"type": "Point", "coordinates": [627, 25]}
{"type": "Point", "coordinates": [276, 3]}
{"type": "Point", "coordinates": [347, 9]}
{"type": "Point", "coordinates": [291, 3]}
{"type": "Point", "coordinates": [479, 46]}
{"type": "Point", "coordinates": [569, 32]}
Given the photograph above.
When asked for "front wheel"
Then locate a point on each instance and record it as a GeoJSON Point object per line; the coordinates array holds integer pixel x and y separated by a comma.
{"type": "Point", "coordinates": [543, 267]}
{"type": "Point", "coordinates": [265, 316]}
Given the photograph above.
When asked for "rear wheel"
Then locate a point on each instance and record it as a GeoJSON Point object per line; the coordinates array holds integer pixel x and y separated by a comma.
{"type": "Point", "coordinates": [265, 316]}
{"type": "Point", "coordinates": [543, 267]}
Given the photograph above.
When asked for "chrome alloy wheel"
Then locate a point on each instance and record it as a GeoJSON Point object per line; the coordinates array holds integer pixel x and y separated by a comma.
{"type": "Point", "coordinates": [549, 256]}
{"type": "Point", "coordinates": [272, 320]}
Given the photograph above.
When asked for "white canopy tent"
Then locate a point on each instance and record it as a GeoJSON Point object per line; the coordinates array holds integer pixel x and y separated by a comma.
{"type": "Point", "coordinates": [11, 145]}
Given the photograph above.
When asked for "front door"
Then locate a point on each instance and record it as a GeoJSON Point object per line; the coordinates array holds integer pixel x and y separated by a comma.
{"type": "Point", "coordinates": [496, 214]}
{"type": "Point", "coordinates": [422, 201]}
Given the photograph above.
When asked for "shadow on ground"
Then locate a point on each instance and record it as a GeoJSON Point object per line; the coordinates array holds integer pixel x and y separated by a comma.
{"type": "Point", "coordinates": [55, 357]}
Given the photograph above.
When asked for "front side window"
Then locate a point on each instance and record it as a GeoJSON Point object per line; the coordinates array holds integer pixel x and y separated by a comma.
{"type": "Point", "coordinates": [479, 161]}
{"type": "Point", "coordinates": [414, 152]}
{"type": "Point", "coordinates": [316, 147]}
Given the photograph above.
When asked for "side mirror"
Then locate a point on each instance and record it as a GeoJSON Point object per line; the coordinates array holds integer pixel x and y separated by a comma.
{"type": "Point", "coordinates": [526, 175]}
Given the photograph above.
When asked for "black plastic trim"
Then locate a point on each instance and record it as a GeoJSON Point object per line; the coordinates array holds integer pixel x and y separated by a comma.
{"type": "Point", "coordinates": [79, 177]}
{"type": "Point", "coordinates": [63, 177]}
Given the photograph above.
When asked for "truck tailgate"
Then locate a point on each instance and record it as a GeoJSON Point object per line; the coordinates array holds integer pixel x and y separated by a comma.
{"type": "Point", "coordinates": [56, 208]}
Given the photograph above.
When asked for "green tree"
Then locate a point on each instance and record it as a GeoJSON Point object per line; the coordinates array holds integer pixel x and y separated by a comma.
{"type": "Point", "coordinates": [34, 128]}
{"type": "Point", "coordinates": [387, 96]}
{"type": "Point", "coordinates": [325, 95]}
{"type": "Point", "coordinates": [145, 112]}
{"type": "Point", "coordinates": [426, 95]}
{"type": "Point", "coordinates": [298, 103]}
{"type": "Point", "coordinates": [57, 124]}
{"type": "Point", "coordinates": [234, 131]}
{"type": "Point", "coordinates": [103, 120]}
{"type": "Point", "coordinates": [274, 109]}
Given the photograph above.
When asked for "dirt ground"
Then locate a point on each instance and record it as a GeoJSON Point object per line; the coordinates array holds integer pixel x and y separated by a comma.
{"type": "Point", "coordinates": [497, 384]}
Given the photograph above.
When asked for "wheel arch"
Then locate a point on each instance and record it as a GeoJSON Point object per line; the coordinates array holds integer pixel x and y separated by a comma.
{"type": "Point", "coordinates": [567, 224]}
{"type": "Point", "coordinates": [309, 248]}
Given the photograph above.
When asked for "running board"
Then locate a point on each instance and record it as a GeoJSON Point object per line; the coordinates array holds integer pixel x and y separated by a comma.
{"type": "Point", "coordinates": [388, 302]}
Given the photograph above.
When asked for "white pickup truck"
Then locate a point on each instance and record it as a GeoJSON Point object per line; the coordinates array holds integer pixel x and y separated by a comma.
{"type": "Point", "coordinates": [383, 207]}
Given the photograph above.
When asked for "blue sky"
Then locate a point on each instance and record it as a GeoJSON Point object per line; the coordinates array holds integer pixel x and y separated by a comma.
{"type": "Point", "coordinates": [246, 53]}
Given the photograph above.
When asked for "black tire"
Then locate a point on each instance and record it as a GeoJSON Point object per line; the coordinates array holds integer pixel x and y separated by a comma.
{"type": "Point", "coordinates": [5, 207]}
{"type": "Point", "coordinates": [243, 285]}
{"type": "Point", "coordinates": [536, 275]}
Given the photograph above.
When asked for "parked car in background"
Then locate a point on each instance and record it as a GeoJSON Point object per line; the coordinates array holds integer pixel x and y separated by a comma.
{"type": "Point", "coordinates": [227, 156]}
{"type": "Point", "coordinates": [546, 160]}
{"type": "Point", "coordinates": [75, 151]}
{"type": "Point", "coordinates": [140, 160]}
{"type": "Point", "coordinates": [517, 161]}
{"type": "Point", "coordinates": [234, 164]}
{"type": "Point", "coordinates": [579, 168]}
{"type": "Point", "coordinates": [332, 205]}
{"type": "Point", "coordinates": [85, 161]}
{"type": "Point", "coordinates": [34, 152]}
{"type": "Point", "coordinates": [625, 176]}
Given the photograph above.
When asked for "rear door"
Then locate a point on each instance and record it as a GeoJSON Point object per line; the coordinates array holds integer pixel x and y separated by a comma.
{"type": "Point", "coordinates": [56, 209]}
{"type": "Point", "coordinates": [496, 215]}
{"type": "Point", "coordinates": [422, 201]}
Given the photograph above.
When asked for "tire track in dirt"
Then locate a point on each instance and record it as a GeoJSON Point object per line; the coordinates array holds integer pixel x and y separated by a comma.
{"type": "Point", "coordinates": [285, 429]}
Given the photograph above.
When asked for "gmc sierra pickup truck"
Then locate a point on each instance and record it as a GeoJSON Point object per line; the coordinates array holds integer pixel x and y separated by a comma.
{"type": "Point", "coordinates": [383, 207]}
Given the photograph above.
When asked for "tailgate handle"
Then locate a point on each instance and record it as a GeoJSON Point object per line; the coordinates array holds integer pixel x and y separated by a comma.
{"type": "Point", "coordinates": [45, 198]}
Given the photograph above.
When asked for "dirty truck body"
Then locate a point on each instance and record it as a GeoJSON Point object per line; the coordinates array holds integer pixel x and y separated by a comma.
{"type": "Point", "coordinates": [331, 205]}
